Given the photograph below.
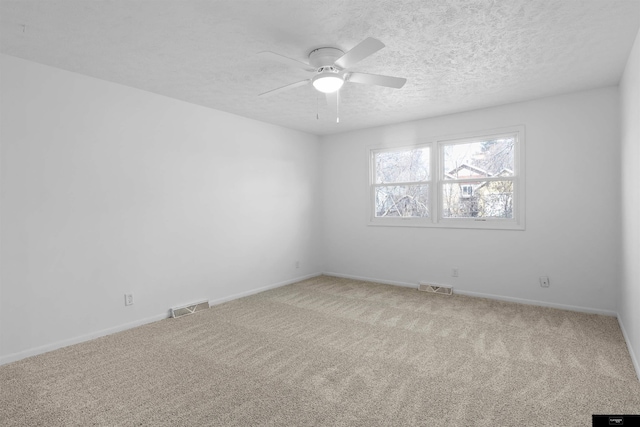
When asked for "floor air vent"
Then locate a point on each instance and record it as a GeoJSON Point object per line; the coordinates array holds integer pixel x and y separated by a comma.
{"type": "Point", "coordinates": [435, 289]}
{"type": "Point", "coordinates": [184, 310]}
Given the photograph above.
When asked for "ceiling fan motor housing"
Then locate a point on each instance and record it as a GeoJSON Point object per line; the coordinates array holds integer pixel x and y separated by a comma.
{"type": "Point", "coordinates": [324, 57]}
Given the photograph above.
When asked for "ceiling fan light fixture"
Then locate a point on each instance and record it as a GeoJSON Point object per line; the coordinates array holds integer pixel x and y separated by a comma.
{"type": "Point", "coordinates": [328, 82]}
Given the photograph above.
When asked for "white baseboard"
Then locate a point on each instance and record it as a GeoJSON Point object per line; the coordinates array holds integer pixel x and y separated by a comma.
{"type": "Point", "coordinates": [87, 337]}
{"type": "Point", "coordinates": [484, 295]}
{"type": "Point", "coordinates": [76, 340]}
{"type": "Point", "coordinates": [538, 303]}
{"type": "Point", "coordinates": [634, 359]}
{"type": "Point", "coordinates": [372, 279]}
{"type": "Point", "coordinates": [262, 289]}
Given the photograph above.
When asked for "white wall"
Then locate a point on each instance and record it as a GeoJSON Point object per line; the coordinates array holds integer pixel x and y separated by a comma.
{"type": "Point", "coordinates": [108, 190]}
{"type": "Point", "coordinates": [629, 304]}
{"type": "Point", "coordinates": [572, 216]}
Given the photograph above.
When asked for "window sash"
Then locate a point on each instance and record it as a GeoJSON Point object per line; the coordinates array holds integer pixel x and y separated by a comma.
{"type": "Point", "coordinates": [413, 204]}
{"type": "Point", "coordinates": [484, 201]}
{"type": "Point", "coordinates": [374, 170]}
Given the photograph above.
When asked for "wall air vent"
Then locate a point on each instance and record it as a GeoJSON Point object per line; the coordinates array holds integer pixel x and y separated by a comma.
{"type": "Point", "coordinates": [184, 310]}
{"type": "Point", "coordinates": [435, 289]}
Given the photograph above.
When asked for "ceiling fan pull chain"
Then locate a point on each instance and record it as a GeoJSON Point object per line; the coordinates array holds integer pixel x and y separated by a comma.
{"type": "Point", "coordinates": [338, 107]}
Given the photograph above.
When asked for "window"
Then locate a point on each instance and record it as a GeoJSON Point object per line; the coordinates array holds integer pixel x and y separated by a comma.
{"type": "Point", "coordinates": [467, 191]}
{"type": "Point", "coordinates": [478, 182]}
{"type": "Point", "coordinates": [401, 186]}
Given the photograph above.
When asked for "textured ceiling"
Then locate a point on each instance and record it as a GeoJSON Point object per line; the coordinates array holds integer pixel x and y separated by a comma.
{"type": "Point", "coordinates": [456, 55]}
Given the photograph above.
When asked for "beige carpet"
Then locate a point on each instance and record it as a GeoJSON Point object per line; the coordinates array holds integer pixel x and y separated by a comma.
{"type": "Point", "coordinates": [335, 352]}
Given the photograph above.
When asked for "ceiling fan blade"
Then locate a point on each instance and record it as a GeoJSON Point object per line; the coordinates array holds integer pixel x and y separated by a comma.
{"type": "Point", "coordinates": [284, 88]}
{"type": "Point", "coordinates": [376, 79]}
{"type": "Point", "coordinates": [286, 60]}
{"type": "Point", "coordinates": [367, 47]}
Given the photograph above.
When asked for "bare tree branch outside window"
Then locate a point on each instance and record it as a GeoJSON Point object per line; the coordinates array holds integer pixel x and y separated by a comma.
{"type": "Point", "coordinates": [402, 187]}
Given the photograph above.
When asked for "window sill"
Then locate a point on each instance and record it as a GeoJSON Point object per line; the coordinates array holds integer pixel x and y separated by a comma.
{"type": "Point", "coordinates": [488, 224]}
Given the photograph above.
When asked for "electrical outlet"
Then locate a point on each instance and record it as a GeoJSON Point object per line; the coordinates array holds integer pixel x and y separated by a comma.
{"type": "Point", "coordinates": [128, 299]}
{"type": "Point", "coordinates": [454, 272]}
{"type": "Point", "coordinates": [544, 281]}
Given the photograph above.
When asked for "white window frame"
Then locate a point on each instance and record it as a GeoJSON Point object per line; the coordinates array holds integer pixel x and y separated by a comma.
{"type": "Point", "coordinates": [402, 221]}
{"type": "Point", "coordinates": [436, 182]}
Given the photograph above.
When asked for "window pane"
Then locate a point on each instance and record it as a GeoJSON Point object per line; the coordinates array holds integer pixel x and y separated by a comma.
{"type": "Point", "coordinates": [478, 200]}
{"type": "Point", "coordinates": [402, 166]}
{"type": "Point", "coordinates": [402, 200]}
{"type": "Point", "coordinates": [479, 159]}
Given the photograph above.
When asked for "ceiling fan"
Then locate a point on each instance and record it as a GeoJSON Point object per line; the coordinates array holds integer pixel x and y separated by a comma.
{"type": "Point", "coordinates": [330, 67]}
